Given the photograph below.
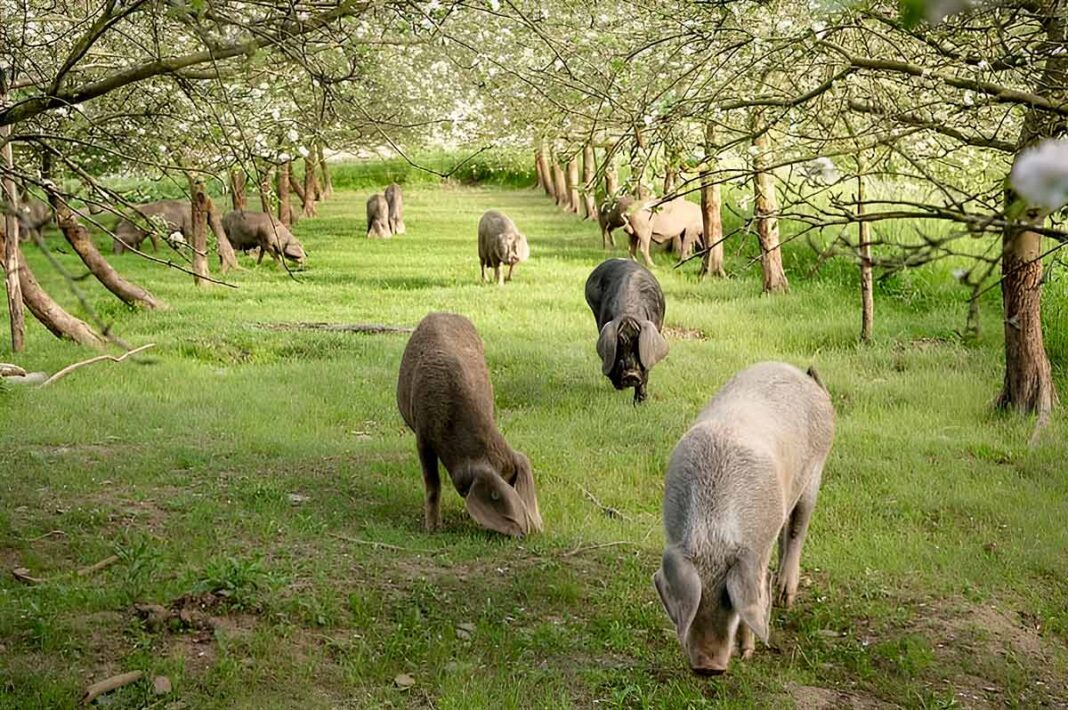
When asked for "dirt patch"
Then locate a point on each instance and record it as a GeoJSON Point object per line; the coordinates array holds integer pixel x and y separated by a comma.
{"type": "Point", "coordinates": [807, 697]}
{"type": "Point", "coordinates": [679, 333]}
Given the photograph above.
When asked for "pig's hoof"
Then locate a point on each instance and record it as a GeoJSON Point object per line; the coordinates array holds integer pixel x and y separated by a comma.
{"type": "Point", "coordinates": [747, 653]}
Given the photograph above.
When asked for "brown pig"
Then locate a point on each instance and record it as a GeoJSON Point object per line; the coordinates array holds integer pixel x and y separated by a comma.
{"type": "Point", "coordinates": [746, 473]}
{"type": "Point", "coordinates": [249, 230]}
{"type": "Point", "coordinates": [445, 397]}
{"type": "Point", "coordinates": [499, 243]}
{"type": "Point", "coordinates": [377, 216]}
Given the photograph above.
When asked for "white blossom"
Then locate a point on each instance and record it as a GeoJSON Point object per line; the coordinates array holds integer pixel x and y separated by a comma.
{"type": "Point", "coordinates": [303, 151]}
{"type": "Point", "coordinates": [292, 135]}
{"type": "Point", "coordinates": [1040, 174]}
{"type": "Point", "coordinates": [821, 169]}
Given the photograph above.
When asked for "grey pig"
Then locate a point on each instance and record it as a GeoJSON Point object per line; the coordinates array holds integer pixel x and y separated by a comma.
{"type": "Point", "coordinates": [677, 221]}
{"type": "Point", "coordinates": [249, 230]}
{"type": "Point", "coordinates": [500, 242]}
{"type": "Point", "coordinates": [445, 396]}
{"type": "Point", "coordinates": [748, 471]}
{"type": "Point", "coordinates": [176, 214]}
{"type": "Point", "coordinates": [395, 202]}
{"type": "Point", "coordinates": [610, 217]}
{"type": "Point", "coordinates": [33, 215]}
{"type": "Point", "coordinates": [377, 216]}
{"type": "Point", "coordinates": [628, 306]}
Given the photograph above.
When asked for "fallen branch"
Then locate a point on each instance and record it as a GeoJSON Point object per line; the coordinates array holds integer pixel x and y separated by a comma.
{"type": "Point", "coordinates": [338, 327]}
{"type": "Point", "coordinates": [383, 545]}
{"type": "Point", "coordinates": [106, 562]}
{"type": "Point", "coordinates": [606, 509]}
{"type": "Point", "coordinates": [50, 533]}
{"type": "Point", "coordinates": [107, 685]}
{"type": "Point", "coordinates": [22, 574]}
{"type": "Point", "coordinates": [587, 548]}
{"type": "Point", "coordinates": [71, 368]}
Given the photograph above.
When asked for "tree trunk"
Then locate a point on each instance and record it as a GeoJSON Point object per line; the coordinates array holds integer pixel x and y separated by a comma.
{"type": "Point", "coordinates": [49, 313]}
{"type": "Point", "coordinates": [767, 223]}
{"type": "Point", "coordinates": [559, 184]}
{"type": "Point", "coordinates": [671, 175]}
{"type": "Point", "coordinates": [311, 187]}
{"type": "Point", "coordinates": [200, 209]}
{"type": "Point", "coordinates": [867, 299]}
{"type": "Point", "coordinates": [638, 163]}
{"type": "Point", "coordinates": [11, 250]}
{"type": "Point", "coordinates": [238, 196]}
{"type": "Point", "coordinates": [541, 168]}
{"type": "Point", "coordinates": [611, 176]}
{"type": "Point", "coordinates": [285, 207]}
{"type": "Point", "coordinates": [574, 200]}
{"type": "Point", "coordinates": [266, 189]}
{"type": "Point", "coordinates": [589, 181]}
{"type": "Point", "coordinates": [1028, 385]}
{"type": "Point", "coordinates": [78, 237]}
{"type": "Point", "coordinates": [327, 182]}
{"type": "Point", "coordinates": [227, 257]}
{"type": "Point", "coordinates": [296, 186]}
{"type": "Point", "coordinates": [711, 212]}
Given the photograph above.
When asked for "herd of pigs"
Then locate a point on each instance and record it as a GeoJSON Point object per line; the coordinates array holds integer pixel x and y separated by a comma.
{"type": "Point", "coordinates": [747, 472]}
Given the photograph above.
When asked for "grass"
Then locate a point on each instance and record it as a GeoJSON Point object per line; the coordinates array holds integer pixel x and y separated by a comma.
{"type": "Point", "coordinates": [232, 474]}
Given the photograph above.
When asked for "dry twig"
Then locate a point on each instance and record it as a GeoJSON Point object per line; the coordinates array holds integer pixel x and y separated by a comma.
{"type": "Point", "coordinates": [70, 368]}
{"type": "Point", "coordinates": [107, 685]}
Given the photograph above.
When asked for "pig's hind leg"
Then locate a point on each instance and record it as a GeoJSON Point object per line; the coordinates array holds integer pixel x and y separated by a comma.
{"type": "Point", "coordinates": [792, 539]}
{"type": "Point", "coordinates": [432, 481]}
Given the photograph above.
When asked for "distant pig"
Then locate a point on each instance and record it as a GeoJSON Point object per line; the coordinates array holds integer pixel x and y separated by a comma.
{"type": "Point", "coordinates": [628, 306]}
{"type": "Point", "coordinates": [251, 230]}
{"type": "Point", "coordinates": [33, 215]}
{"type": "Point", "coordinates": [377, 216]}
{"type": "Point", "coordinates": [610, 217]}
{"type": "Point", "coordinates": [748, 471]}
{"type": "Point", "coordinates": [499, 242]}
{"type": "Point", "coordinates": [395, 201]}
{"type": "Point", "coordinates": [177, 216]}
{"type": "Point", "coordinates": [677, 221]}
{"type": "Point", "coordinates": [445, 396]}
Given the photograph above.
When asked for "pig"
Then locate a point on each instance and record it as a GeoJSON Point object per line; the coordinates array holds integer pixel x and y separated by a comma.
{"type": "Point", "coordinates": [499, 242]}
{"type": "Point", "coordinates": [33, 215]}
{"type": "Point", "coordinates": [628, 306]}
{"type": "Point", "coordinates": [677, 221]}
{"type": "Point", "coordinates": [610, 217]}
{"type": "Point", "coordinates": [249, 230]}
{"type": "Point", "coordinates": [748, 471]}
{"type": "Point", "coordinates": [176, 214]}
{"type": "Point", "coordinates": [445, 396]}
{"type": "Point", "coordinates": [377, 216]}
{"type": "Point", "coordinates": [395, 201]}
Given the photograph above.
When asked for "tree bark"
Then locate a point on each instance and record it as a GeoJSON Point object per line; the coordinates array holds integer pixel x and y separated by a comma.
{"type": "Point", "coordinates": [327, 181]}
{"type": "Point", "coordinates": [671, 175]}
{"type": "Point", "coordinates": [311, 186]}
{"type": "Point", "coordinates": [638, 164]}
{"type": "Point", "coordinates": [547, 172]}
{"type": "Point", "coordinates": [266, 189]}
{"type": "Point", "coordinates": [574, 200]}
{"type": "Point", "coordinates": [11, 252]}
{"type": "Point", "coordinates": [285, 207]}
{"type": "Point", "coordinates": [227, 257]}
{"type": "Point", "coordinates": [767, 223]}
{"type": "Point", "coordinates": [296, 186]}
{"type": "Point", "coordinates": [611, 176]}
{"type": "Point", "coordinates": [200, 209]}
{"type": "Point", "coordinates": [711, 212]}
{"type": "Point", "coordinates": [49, 313]}
{"type": "Point", "coordinates": [559, 184]}
{"type": "Point", "coordinates": [78, 237]}
{"type": "Point", "coordinates": [589, 181]}
{"type": "Point", "coordinates": [238, 195]}
{"type": "Point", "coordinates": [541, 169]}
{"type": "Point", "coordinates": [867, 298]}
{"type": "Point", "coordinates": [1028, 384]}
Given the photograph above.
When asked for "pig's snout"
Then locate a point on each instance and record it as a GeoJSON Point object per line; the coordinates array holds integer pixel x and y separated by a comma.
{"type": "Point", "coordinates": [710, 670]}
{"type": "Point", "coordinates": [705, 665]}
{"type": "Point", "coordinates": [630, 379]}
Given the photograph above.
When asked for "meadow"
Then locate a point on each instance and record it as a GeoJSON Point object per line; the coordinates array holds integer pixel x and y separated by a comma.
{"type": "Point", "coordinates": [264, 498]}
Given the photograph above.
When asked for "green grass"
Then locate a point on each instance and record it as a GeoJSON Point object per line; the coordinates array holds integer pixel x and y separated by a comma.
{"type": "Point", "coordinates": [935, 569]}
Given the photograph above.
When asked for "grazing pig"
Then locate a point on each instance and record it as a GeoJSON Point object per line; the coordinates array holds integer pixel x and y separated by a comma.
{"type": "Point", "coordinates": [177, 216]}
{"type": "Point", "coordinates": [395, 201]}
{"type": "Point", "coordinates": [677, 221]}
{"type": "Point", "coordinates": [445, 396]}
{"type": "Point", "coordinates": [628, 305]}
{"type": "Point", "coordinates": [33, 215]}
{"type": "Point", "coordinates": [610, 217]}
{"type": "Point", "coordinates": [499, 242]}
{"type": "Point", "coordinates": [249, 230]}
{"type": "Point", "coordinates": [377, 216]}
{"type": "Point", "coordinates": [748, 471]}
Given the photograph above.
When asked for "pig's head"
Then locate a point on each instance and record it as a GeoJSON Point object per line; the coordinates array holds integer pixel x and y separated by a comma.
{"type": "Point", "coordinates": [514, 248]}
{"type": "Point", "coordinates": [706, 612]}
{"type": "Point", "coordinates": [523, 483]}
{"type": "Point", "coordinates": [289, 246]}
{"type": "Point", "coordinates": [495, 504]}
{"type": "Point", "coordinates": [629, 348]}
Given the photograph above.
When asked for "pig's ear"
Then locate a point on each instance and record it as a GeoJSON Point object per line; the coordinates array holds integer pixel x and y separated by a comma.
{"type": "Point", "coordinates": [679, 587]}
{"type": "Point", "coordinates": [524, 486]}
{"type": "Point", "coordinates": [606, 345]}
{"type": "Point", "coordinates": [749, 594]}
{"type": "Point", "coordinates": [495, 505]}
{"type": "Point", "coordinates": [651, 345]}
{"type": "Point", "coordinates": [523, 248]}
